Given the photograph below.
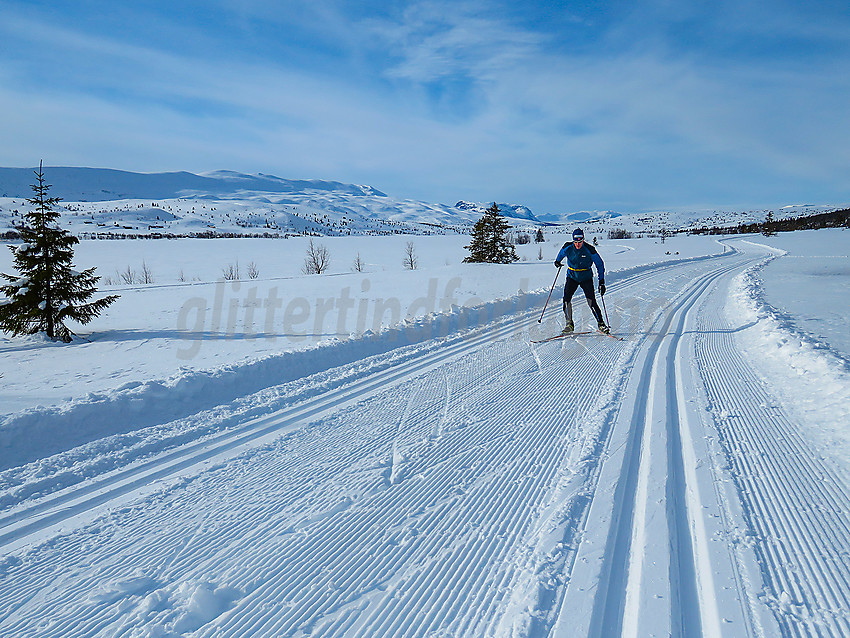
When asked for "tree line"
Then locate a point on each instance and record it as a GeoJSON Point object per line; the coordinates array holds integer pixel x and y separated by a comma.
{"type": "Point", "coordinates": [771, 226]}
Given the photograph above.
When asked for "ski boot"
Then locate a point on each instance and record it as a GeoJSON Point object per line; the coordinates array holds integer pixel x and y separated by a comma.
{"type": "Point", "coordinates": [603, 328]}
{"type": "Point", "coordinates": [568, 328]}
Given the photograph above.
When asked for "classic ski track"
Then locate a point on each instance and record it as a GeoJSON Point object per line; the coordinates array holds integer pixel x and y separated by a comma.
{"type": "Point", "coordinates": [606, 617]}
{"type": "Point", "coordinates": [463, 501]}
{"type": "Point", "coordinates": [617, 583]}
{"type": "Point", "coordinates": [794, 501]}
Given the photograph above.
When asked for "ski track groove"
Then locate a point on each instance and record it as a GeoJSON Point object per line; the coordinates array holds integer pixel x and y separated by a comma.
{"type": "Point", "coordinates": [607, 616]}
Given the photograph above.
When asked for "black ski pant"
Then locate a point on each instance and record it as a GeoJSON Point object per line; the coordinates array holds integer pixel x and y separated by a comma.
{"type": "Point", "coordinates": [587, 286]}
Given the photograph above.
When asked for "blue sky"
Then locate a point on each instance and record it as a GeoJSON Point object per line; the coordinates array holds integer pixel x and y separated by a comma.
{"type": "Point", "coordinates": [561, 106]}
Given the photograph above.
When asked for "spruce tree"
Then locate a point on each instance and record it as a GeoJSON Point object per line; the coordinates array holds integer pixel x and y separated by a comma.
{"type": "Point", "coordinates": [478, 246]}
{"type": "Point", "coordinates": [48, 291]}
{"type": "Point", "coordinates": [489, 240]}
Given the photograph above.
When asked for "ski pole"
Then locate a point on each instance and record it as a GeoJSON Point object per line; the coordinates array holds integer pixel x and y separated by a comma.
{"type": "Point", "coordinates": [607, 323]}
{"type": "Point", "coordinates": [557, 272]}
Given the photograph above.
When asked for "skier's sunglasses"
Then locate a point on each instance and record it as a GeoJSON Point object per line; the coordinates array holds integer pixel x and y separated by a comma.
{"type": "Point", "coordinates": [578, 241]}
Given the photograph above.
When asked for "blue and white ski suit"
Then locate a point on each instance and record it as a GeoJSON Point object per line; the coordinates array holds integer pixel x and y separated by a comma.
{"type": "Point", "coordinates": [579, 262]}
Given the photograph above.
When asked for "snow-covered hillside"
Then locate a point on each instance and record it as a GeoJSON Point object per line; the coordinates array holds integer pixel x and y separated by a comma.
{"type": "Point", "coordinates": [103, 184]}
{"type": "Point", "coordinates": [654, 223]}
{"type": "Point", "coordinates": [110, 202]}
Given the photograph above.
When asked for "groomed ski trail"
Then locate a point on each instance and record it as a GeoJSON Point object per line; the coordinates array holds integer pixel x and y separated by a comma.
{"type": "Point", "coordinates": [794, 499]}
{"type": "Point", "coordinates": [645, 556]}
{"type": "Point", "coordinates": [719, 517]}
{"type": "Point", "coordinates": [483, 487]}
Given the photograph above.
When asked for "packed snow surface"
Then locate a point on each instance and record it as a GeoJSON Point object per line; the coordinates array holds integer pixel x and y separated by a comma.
{"type": "Point", "coordinates": [390, 453]}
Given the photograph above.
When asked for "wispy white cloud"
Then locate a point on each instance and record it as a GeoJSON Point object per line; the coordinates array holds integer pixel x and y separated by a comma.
{"type": "Point", "coordinates": [433, 40]}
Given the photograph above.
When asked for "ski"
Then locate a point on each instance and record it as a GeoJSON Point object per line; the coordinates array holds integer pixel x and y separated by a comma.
{"type": "Point", "coordinates": [564, 335]}
{"type": "Point", "coordinates": [608, 334]}
{"type": "Point", "coordinates": [577, 334]}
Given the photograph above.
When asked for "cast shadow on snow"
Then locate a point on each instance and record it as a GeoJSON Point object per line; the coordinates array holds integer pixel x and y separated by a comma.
{"type": "Point", "coordinates": [121, 336]}
{"type": "Point", "coordinates": [628, 333]}
{"type": "Point", "coordinates": [118, 336]}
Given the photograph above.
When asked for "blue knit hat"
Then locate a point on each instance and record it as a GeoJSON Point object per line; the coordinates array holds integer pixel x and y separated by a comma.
{"type": "Point", "coordinates": [578, 233]}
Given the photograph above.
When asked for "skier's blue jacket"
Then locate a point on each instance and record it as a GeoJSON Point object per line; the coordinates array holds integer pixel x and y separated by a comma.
{"type": "Point", "coordinates": [579, 262]}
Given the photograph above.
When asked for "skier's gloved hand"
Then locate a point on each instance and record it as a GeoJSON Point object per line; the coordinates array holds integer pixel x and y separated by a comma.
{"type": "Point", "coordinates": [558, 264]}
{"type": "Point", "coordinates": [602, 288]}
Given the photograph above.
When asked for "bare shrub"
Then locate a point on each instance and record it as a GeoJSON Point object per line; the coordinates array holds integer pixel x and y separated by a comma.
{"type": "Point", "coordinates": [146, 276]}
{"type": "Point", "coordinates": [358, 264]}
{"type": "Point", "coordinates": [410, 259]}
{"type": "Point", "coordinates": [318, 259]}
{"type": "Point", "coordinates": [253, 271]}
{"type": "Point", "coordinates": [128, 275]}
{"type": "Point", "coordinates": [231, 271]}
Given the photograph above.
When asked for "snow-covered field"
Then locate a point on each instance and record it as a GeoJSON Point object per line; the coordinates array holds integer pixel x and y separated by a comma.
{"type": "Point", "coordinates": [808, 285]}
{"type": "Point", "coordinates": [171, 329]}
{"type": "Point", "coordinates": [385, 453]}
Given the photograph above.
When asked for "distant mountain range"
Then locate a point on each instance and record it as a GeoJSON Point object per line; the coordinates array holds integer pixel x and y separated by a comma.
{"type": "Point", "coordinates": [507, 210]}
{"type": "Point", "coordinates": [105, 184]}
{"type": "Point", "coordinates": [220, 203]}
{"type": "Point", "coordinates": [226, 202]}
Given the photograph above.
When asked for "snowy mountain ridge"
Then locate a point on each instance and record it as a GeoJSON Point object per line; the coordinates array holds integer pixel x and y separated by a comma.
{"type": "Point", "coordinates": [229, 202]}
{"type": "Point", "coordinates": [223, 203]}
{"type": "Point", "coordinates": [80, 184]}
{"type": "Point", "coordinates": [507, 210]}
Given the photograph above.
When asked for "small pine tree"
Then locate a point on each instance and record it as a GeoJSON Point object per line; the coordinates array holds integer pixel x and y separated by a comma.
{"type": "Point", "coordinates": [539, 237]}
{"type": "Point", "coordinates": [767, 227]}
{"type": "Point", "coordinates": [489, 240]}
{"type": "Point", "coordinates": [49, 291]}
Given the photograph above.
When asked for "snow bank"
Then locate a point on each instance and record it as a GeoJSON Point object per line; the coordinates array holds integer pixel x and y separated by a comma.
{"type": "Point", "coordinates": [814, 381]}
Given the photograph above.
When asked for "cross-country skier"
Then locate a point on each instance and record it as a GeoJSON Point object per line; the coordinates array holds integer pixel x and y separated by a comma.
{"type": "Point", "coordinates": [580, 258]}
